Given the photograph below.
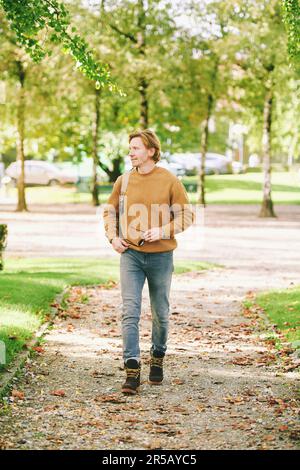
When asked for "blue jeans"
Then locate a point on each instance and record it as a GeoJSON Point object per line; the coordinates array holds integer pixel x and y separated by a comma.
{"type": "Point", "coordinates": [135, 267]}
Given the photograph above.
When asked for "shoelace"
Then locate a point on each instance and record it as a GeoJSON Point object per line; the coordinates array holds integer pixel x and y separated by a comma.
{"type": "Point", "coordinates": [156, 362]}
{"type": "Point", "coordinates": [132, 372]}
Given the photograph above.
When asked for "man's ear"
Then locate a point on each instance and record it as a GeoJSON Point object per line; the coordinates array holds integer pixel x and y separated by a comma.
{"type": "Point", "coordinates": [152, 151]}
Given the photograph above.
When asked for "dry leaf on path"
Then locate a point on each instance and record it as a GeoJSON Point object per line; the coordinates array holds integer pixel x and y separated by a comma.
{"type": "Point", "coordinates": [58, 393]}
{"type": "Point", "coordinates": [17, 394]}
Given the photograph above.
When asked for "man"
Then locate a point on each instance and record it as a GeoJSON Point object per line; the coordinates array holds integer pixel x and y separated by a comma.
{"type": "Point", "coordinates": [148, 206]}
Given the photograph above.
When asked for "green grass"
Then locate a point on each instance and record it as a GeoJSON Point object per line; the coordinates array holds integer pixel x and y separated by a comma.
{"type": "Point", "coordinates": [247, 188]}
{"type": "Point", "coordinates": [283, 309]}
{"type": "Point", "coordinates": [51, 195]}
{"type": "Point", "coordinates": [220, 189]}
{"type": "Point", "coordinates": [29, 286]}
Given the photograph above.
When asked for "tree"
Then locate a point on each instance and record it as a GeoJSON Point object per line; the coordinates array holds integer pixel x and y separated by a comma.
{"type": "Point", "coordinates": [28, 24]}
{"type": "Point", "coordinates": [291, 18]}
{"type": "Point", "coordinates": [144, 30]}
{"type": "Point", "coordinates": [31, 21]}
{"type": "Point", "coordinates": [3, 240]}
{"type": "Point", "coordinates": [209, 51]}
{"type": "Point", "coordinates": [261, 67]}
{"type": "Point", "coordinates": [16, 67]}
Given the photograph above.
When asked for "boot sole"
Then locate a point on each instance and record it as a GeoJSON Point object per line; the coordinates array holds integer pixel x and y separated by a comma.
{"type": "Point", "coordinates": [129, 391]}
{"type": "Point", "coordinates": [155, 383]}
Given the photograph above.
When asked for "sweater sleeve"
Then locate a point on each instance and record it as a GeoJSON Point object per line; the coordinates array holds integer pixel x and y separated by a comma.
{"type": "Point", "coordinates": [111, 211]}
{"type": "Point", "coordinates": [181, 211]}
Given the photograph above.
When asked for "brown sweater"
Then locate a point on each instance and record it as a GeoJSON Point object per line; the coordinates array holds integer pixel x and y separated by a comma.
{"type": "Point", "coordinates": [154, 199]}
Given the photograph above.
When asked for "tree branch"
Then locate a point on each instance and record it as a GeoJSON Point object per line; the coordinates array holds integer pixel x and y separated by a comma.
{"type": "Point", "coordinates": [123, 33]}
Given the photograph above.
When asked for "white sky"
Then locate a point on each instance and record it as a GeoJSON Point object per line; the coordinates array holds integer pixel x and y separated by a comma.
{"type": "Point", "coordinates": [181, 18]}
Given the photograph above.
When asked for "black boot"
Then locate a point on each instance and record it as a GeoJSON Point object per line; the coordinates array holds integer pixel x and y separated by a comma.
{"type": "Point", "coordinates": [133, 377]}
{"type": "Point", "coordinates": [156, 368]}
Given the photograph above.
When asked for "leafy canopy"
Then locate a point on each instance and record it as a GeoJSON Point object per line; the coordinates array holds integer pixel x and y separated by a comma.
{"type": "Point", "coordinates": [31, 20]}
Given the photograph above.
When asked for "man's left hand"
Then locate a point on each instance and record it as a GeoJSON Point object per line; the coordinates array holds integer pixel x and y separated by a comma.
{"type": "Point", "coordinates": [153, 235]}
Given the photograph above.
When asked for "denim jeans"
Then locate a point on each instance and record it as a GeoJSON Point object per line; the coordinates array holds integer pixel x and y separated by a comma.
{"type": "Point", "coordinates": [135, 267]}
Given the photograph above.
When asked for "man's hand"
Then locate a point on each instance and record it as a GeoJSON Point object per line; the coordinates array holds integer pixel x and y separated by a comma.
{"type": "Point", "coordinates": [119, 245]}
{"type": "Point", "coordinates": [153, 234]}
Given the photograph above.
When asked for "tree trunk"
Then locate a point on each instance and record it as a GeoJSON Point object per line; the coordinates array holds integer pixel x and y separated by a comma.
{"type": "Point", "coordinates": [292, 150]}
{"type": "Point", "coordinates": [95, 148]}
{"type": "Point", "coordinates": [115, 172]}
{"type": "Point", "coordinates": [267, 204]}
{"type": "Point", "coordinates": [205, 131]}
{"type": "Point", "coordinates": [143, 87]}
{"type": "Point", "coordinates": [204, 145]}
{"type": "Point", "coordinates": [3, 240]}
{"type": "Point", "coordinates": [22, 206]}
{"type": "Point", "coordinates": [139, 42]}
{"type": "Point", "coordinates": [142, 83]}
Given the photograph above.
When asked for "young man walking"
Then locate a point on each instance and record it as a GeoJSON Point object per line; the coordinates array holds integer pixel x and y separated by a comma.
{"type": "Point", "coordinates": [147, 207]}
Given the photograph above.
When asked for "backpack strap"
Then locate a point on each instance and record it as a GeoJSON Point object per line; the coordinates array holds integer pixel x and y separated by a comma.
{"type": "Point", "coordinates": [123, 204]}
{"type": "Point", "coordinates": [125, 180]}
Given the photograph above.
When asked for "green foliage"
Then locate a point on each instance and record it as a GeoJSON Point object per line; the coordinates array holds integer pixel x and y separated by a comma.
{"type": "Point", "coordinates": [23, 310]}
{"type": "Point", "coordinates": [178, 62]}
{"type": "Point", "coordinates": [291, 11]}
{"type": "Point", "coordinates": [246, 188]}
{"type": "Point", "coordinates": [283, 309]}
{"type": "Point", "coordinates": [3, 241]}
{"type": "Point", "coordinates": [29, 18]}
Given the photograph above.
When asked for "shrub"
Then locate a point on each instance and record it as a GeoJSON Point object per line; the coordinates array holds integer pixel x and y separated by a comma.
{"type": "Point", "coordinates": [3, 240]}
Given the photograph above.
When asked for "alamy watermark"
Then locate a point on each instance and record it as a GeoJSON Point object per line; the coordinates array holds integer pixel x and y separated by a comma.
{"type": "Point", "coordinates": [131, 221]}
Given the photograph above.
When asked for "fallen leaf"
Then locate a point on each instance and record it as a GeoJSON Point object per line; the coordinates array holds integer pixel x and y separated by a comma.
{"type": "Point", "coordinates": [242, 361]}
{"type": "Point", "coordinates": [17, 394]}
{"type": "Point", "coordinates": [109, 399]}
{"type": "Point", "coordinates": [50, 407]}
{"type": "Point", "coordinates": [178, 382]}
{"type": "Point", "coordinates": [58, 393]}
{"type": "Point", "coordinates": [234, 399]}
{"type": "Point", "coordinates": [155, 444]}
{"type": "Point", "coordinates": [269, 437]}
{"type": "Point", "coordinates": [161, 422]}
{"type": "Point", "coordinates": [283, 428]}
{"type": "Point", "coordinates": [38, 349]}
{"type": "Point", "coordinates": [179, 409]}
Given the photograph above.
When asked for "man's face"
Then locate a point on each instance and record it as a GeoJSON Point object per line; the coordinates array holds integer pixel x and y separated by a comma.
{"type": "Point", "coordinates": [139, 153]}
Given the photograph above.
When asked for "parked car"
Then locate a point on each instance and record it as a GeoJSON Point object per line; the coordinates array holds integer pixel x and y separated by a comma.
{"type": "Point", "coordinates": [173, 167]}
{"type": "Point", "coordinates": [215, 163]}
{"type": "Point", "coordinates": [40, 173]}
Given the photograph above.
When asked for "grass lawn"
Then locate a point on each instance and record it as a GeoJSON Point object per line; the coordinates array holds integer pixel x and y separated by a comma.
{"type": "Point", "coordinates": [28, 287]}
{"type": "Point", "coordinates": [247, 188]}
{"type": "Point", "coordinates": [283, 309]}
{"type": "Point", "coordinates": [220, 189]}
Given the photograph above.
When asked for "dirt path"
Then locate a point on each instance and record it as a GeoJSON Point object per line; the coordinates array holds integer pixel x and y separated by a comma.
{"type": "Point", "coordinates": [225, 388]}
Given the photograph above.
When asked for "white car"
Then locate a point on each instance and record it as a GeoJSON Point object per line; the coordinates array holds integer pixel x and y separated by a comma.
{"type": "Point", "coordinates": [215, 163]}
{"type": "Point", "coordinates": [163, 163]}
{"type": "Point", "coordinates": [40, 172]}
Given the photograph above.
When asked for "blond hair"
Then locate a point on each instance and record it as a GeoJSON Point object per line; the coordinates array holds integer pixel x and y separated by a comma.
{"type": "Point", "coordinates": [150, 140]}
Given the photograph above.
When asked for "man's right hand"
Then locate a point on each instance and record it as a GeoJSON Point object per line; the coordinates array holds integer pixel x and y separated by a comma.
{"type": "Point", "coordinates": [119, 245]}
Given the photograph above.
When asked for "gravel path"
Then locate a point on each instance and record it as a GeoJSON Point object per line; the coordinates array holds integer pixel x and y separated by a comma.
{"type": "Point", "coordinates": [225, 388]}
